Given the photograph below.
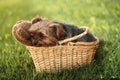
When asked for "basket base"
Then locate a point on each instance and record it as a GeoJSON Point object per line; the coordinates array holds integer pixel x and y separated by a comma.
{"type": "Point", "coordinates": [58, 58]}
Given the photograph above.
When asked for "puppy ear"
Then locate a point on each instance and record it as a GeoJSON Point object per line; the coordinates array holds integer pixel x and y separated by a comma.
{"type": "Point", "coordinates": [59, 30]}
{"type": "Point", "coordinates": [36, 19]}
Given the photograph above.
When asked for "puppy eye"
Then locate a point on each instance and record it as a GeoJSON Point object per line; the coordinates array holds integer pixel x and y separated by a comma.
{"type": "Point", "coordinates": [41, 35]}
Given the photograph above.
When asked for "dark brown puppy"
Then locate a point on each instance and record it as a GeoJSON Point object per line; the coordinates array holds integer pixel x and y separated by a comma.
{"type": "Point", "coordinates": [42, 32]}
{"type": "Point", "coordinates": [59, 30]}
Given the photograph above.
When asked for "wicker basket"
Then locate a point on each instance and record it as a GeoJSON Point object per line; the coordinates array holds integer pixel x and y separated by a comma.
{"type": "Point", "coordinates": [67, 56]}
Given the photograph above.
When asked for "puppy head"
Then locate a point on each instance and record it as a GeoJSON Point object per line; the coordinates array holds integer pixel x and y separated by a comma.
{"type": "Point", "coordinates": [40, 39]}
{"type": "Point", "coordinates": [47, 27]}
{"type": "Point", "coordinates": [47, 32]}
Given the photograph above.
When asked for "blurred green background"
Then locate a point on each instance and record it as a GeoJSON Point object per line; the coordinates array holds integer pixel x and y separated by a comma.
{"type": "Point", "coordinates": [101, 16]}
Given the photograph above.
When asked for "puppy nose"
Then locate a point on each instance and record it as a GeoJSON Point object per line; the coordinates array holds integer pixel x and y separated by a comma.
{"type": "Point", "coordinates": [34, 43]}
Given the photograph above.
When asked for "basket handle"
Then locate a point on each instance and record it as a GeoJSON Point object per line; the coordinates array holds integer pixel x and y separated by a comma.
{"type": "Point", "coordinates": [74, 37]}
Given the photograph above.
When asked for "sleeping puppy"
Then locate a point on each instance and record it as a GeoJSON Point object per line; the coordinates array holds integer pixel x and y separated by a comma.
{"type": "Point", "coordinates": [42, 32]}
{"type": "Point", "coordinates": [45, 33]}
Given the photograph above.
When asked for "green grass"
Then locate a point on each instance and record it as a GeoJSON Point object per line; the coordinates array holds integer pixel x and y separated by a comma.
{"type": "Point", "coordinates": [101, 16]}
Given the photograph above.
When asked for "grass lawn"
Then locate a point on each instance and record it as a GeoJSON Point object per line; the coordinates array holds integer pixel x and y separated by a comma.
{"type": "Point", "coordinates": [101, 16]}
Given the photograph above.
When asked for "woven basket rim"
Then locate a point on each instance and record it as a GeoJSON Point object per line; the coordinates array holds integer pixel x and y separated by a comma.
{"type": "Point", "coordinates": [76, 44]}
{"type": "Point", "coordinates": [89, 43]}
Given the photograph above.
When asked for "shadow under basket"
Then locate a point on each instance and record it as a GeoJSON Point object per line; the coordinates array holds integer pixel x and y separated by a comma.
{"type": "Point", "coordinates": [60, 57]}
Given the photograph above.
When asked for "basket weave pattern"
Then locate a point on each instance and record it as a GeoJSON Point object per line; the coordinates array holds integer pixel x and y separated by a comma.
{"type": "Point", "coordinates": [52, 59]}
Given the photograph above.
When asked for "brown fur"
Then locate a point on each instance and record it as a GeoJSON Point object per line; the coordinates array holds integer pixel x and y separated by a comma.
{"type": "Point", "coordinates": [42, 32]}
{"type": "Point", "coordinates": [38, 32]}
